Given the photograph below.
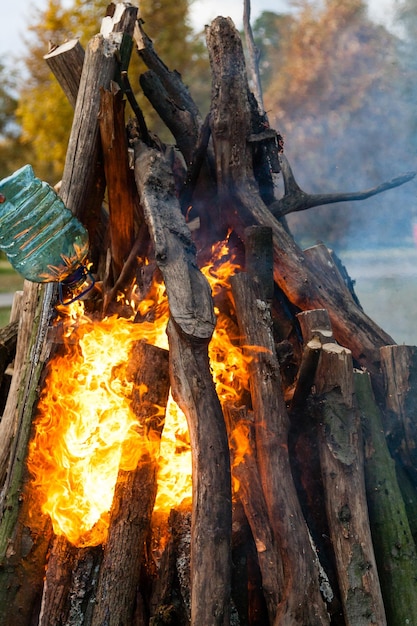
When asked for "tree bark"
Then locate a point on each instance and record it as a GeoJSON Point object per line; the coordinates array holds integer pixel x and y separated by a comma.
{"type": "Point", "coordinates": [271, 431]}
{"type": "Point", "coordinates": [134, 497]}
{"type": "Point", "coordinates": [393, 542]}
{"type": "Point", "coordinates": [341, 458]}
{"type": "Point", "coordinates": [189, 331]}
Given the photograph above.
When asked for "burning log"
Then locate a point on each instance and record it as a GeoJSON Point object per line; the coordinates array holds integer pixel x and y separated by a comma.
{"type": "Point", "coordinates": [271, 432]}
{"type": "Point", "coordinates": [134, 496]}
{"type": "Point", "coordinates": [190, 328]}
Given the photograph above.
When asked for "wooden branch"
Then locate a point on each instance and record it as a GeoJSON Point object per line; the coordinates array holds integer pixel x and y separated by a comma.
{"type": "Point", "coordinates": [395, 551]}
{"type": "Point", "coordinates": [306, 605]}
{"type": "Point", "coordinates": [122, 194]}
{"type": "Point", "coordinates": [66, 63]}
{"type": "Point", "coordinates": [83, 177]}
{"type": "Point", "coordinates": [253, 56]}
{"type": "Point", "coordinates": [135, 493]}
{"type": "Point", "coordinates": [295, 199]}
{"type": "Point", "coordinates": [341, 459]}
{"type": "Point", "coordinates": [188, 291]}
{"type": "Point", "coordinates": [189, 331]}
{"type": "Point", "coordinates": [193, 390]}
{"type": "Point", "coordinates": [398, 365]}
{"type": "Point", "coordinates": [304, 285]}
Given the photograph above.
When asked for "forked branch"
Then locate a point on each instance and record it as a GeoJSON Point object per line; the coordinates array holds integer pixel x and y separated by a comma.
{"type": "Point", "coordinates": [295, 199]}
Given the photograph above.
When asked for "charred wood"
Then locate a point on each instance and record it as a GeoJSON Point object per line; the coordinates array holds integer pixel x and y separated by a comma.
{"type": "Point", "coordinates": [134, 494]}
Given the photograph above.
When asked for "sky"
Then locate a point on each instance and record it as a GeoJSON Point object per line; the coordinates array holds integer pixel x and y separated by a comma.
{"type": "Point", "coordinates": [19, 13]}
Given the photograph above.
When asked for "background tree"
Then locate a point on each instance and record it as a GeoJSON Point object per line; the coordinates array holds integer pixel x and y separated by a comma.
{"type": "Point", "coordinates": [333, 91]}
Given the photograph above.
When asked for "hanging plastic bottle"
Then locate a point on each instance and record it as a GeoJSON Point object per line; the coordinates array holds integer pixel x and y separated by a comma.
{"type": "Point", "coordinates": [42, 239]}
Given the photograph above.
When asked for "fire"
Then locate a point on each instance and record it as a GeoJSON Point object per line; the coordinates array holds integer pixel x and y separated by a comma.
{"type": "Point", "coordinates": [85, 428]}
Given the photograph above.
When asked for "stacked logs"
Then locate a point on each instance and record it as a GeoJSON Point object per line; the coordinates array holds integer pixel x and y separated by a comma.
{"type": "Point", "coordinates": [321, 528]}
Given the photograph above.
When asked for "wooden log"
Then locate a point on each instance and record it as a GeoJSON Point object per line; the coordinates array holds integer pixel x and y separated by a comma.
{"type": "Point", "coordinates": [66, 63]}
{"type": "Point", "coordinates": [170, 600]}
{"type": "Point", "coordinates": [306, 605]}
{"type": "Point", "coordinates": [83, 176]}
{"type": "Point", "coordinates": [169, 96]}
{"type": "Point", "coordinates": [122, 194]}
{"type": "Point", "coordinates": [398, 365]}
{"type": "Point", "coordinates": [11, 422]}
{"type": "Point", "coordinates": [189, 330]}
{"type": "Point", "coordinates": [193, 389]}
{"type": "Point", "coordinates": [248, 489]}
{"type": "Point", "coordinates": [395, 551]}
{"type": "Point", "coordinates": [341, 459]}
{"type": "Point", "coordinates": [70, 583]}
{"type": "Point", "coordinates": [23, 545]}
{"type": "Point", "coordinates": [304, 285]}
{"type": "Point", "coordinates": [134, 496]}
{"type": "Point", "coordinates": [188, 291]}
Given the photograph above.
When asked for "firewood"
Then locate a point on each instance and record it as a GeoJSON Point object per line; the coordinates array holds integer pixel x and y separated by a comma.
{"type": "Point", "coordinates": [248, 490]}
{"type": "Point", "coordinates": [189, 330]}
{"type": "Point", "coordinates": [83, 175]}
{"type": "Point", "coordinates": [398, 365]}
{"type": "Point", "coordinates": [271, 431]}
{"type": "Point", "coordinates": [193, 389]}
{"type": "Point", "coordinates": [119, 178]}
{"type": "Point", "coordinates": [305, 287]}
{"type": "Point", "coordinates": [134, 495]}
{"type": "Point", "coordinates": [23, 546]}
{"type": "Point", "coordinates": [66, 63]}
{"type": "Point", "coordinates": [188, 291]}
{"type": "Point", "coordinates": [341, 459]}
{"type": "Point", "coordinates": [395, 551]}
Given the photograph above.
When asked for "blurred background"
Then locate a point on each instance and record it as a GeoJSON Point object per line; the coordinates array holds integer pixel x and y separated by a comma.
{"type": "Point", "coordinates": [340, 84]}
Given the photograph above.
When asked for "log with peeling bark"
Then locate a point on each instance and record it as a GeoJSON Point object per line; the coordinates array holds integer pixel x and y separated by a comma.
{"type": "Point", "coordinates": [342, 467]}
{"type": "Point", "coordinates": [189, 331]}
{"type": "Point", "coordinates": [290, 531]}
{"type": "Point", "coordinates": [395, 550]}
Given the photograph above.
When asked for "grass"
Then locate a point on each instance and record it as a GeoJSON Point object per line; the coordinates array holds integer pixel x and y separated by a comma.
{"type": "Point", "coordinates": [10, 281]}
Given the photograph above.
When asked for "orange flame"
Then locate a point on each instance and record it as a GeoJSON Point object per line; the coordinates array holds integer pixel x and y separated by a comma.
{"type": "Point", "coordinates": [86, 430]}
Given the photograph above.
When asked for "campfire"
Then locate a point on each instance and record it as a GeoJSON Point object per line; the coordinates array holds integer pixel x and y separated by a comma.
{"type": "Point", "coordinates": [216, 433]}
{"type": "Point", "coordinates": [86, 429]}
